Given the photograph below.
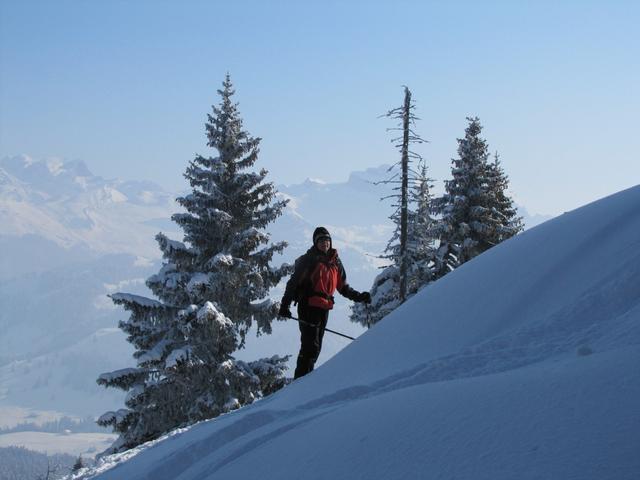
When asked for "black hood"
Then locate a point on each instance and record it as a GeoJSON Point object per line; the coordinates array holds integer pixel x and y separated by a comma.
{"type": "Point", "coordinates": [321, 232]}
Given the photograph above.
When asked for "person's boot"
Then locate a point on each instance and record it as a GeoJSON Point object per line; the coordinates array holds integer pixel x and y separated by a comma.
{"type": "Point", "coordinates": [303, 366]}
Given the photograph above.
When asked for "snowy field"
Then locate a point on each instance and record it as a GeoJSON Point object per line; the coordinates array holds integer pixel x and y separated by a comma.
{"type": "Point", "coordinates": [73, 443]}
{"type": "Point", "coordinates": [10, 416]}
{"type": "Point", "coordinates": [85, 444]}
{"type": "Point", "coordinates": [523, 363]}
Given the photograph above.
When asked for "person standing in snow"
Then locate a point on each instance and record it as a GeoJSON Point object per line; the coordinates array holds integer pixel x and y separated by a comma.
{"type": "Point", "coordinates": [317, 275]}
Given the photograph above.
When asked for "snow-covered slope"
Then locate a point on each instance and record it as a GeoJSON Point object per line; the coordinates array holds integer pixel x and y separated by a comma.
{"type": "Point", "coordinates": [522, 364]}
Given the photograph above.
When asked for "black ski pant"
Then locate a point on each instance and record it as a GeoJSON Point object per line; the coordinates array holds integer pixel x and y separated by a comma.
{"type": "Point", "coordinates": [310, 337]}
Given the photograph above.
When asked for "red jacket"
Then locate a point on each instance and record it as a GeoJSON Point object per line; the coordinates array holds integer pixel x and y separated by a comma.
{"type": "Point", "coordinates": [315, 279]}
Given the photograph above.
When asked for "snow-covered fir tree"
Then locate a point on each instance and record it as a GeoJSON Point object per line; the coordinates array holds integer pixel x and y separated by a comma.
{"type": "Point", "coordinates": [508, 222]}
{"type": "Point", "coordinates": [471, 222]}
{"type": "Point", "coordinates": [211, 289]}
{"type": "Point", "coordinates": [385, 298]}
{"type": "Point", "coordinates": [423, 234]}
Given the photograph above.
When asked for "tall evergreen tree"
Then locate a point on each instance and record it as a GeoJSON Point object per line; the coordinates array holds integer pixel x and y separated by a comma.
{"type": "Point", "coordinates": [422, 235]}
{"type": "Point", "coordinates": [507, 221]}
{"type": "Point", "coordinates": [470, 218]}
{"type": "Point", "coordinates": [211, 289]}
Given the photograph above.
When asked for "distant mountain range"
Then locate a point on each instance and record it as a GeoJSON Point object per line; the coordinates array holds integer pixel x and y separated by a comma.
{"type": "Point", "coordinates": [69, 206]}
{"type": "Point", "coordinates": [53, 213]}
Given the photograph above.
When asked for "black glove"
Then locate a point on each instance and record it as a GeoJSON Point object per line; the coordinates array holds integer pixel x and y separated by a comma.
{"type": "Point", "coordinates": [284, 310]}
{"type": "Point", "coordinates": [364, 297]}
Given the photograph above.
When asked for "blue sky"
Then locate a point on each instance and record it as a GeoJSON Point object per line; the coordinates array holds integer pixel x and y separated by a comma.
{"type": "Point", "coordinates": [126, 86]}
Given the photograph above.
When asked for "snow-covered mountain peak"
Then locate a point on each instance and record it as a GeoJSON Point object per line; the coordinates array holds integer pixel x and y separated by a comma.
{"type": "Point", "coordinates": [370, 175]}
{"type": "Point", "coordinates": [65, 202]}
{"type": "Point", "coordinates": [16, 163]}
{"type": "Point", "coordinates": [54, 178]}
{"type": "Point", "coordinates": [55, 166]}
{"type": "Point", "coordinates": [47, 173]}
{"type": "Point", "coordinates": [314, 181]}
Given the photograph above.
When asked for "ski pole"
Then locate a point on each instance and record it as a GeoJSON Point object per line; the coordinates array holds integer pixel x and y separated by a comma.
{"type": "Point", "coordinates": [326, 329]}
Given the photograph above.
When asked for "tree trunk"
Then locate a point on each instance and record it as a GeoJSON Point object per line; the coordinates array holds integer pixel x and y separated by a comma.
{"type": "Point", "coordinates": [404, 194]}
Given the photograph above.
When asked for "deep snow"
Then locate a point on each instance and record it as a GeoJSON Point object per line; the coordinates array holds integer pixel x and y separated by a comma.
{"type": "Point", "coordinates": [522, 364]}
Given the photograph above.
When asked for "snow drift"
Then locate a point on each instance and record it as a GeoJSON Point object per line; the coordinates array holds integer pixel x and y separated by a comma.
{"type": "Point", "coordinates": [522, 364]}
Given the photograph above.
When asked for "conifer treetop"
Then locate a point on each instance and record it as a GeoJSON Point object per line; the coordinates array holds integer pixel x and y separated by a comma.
{"type": "Point", "coordinates": [225, 133]}
{"type": "Point", "coordinates": [476, 213]}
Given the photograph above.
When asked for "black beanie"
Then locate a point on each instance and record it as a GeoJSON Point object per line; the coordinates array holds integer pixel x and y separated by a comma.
{"type": "Point", "coordinates": [319, 233]}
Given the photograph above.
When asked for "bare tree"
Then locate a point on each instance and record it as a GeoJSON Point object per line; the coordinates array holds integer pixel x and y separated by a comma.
{"type": "Point", "coordinates": [52, 470]}
{"type": "Point", "coordinates": [78, 465]}
{"type": "Point", "coordinates": [405, 115]}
